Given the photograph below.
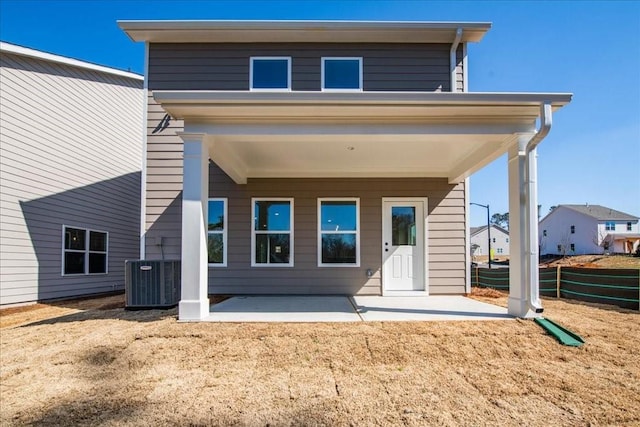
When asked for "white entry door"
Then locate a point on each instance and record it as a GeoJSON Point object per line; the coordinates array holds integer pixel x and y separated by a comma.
{"type": "Point", "coordinates": [403, 244]}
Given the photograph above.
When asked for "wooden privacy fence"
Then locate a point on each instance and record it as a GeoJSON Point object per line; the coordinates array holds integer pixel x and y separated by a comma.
{"type": "Point", "coordinates": [620, 287]}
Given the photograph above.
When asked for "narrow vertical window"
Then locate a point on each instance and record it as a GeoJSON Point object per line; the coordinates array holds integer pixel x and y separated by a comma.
{"type": "Point", "coordinates": [84, 251]}
{"type": "Point", "coordinates": [217, 233]}
{"type": "Point", "coordinates": [628, 226]}
{"type": "Point", "coordinates": [338, 232]}
{"type": "Point", "coordinates": [272, 233]}
{"type": "Point", "coordinates": [270, 73]}
{"type": "Point", "coordinates": [341, 74]}
{"type": "Point", "coordinates": [573, 229]}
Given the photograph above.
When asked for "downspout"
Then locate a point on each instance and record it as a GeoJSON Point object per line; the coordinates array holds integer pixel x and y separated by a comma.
{"type": "Point", "coordinates": [452, 59]}
{"type": "Point", "coordinates": [531, 238]}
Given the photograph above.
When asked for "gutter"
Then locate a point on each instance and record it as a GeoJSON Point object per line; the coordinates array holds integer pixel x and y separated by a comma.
{"type": "Point", "coordinates": [531, 173]}
{"type": "Point", "coordinates": [452, 58]}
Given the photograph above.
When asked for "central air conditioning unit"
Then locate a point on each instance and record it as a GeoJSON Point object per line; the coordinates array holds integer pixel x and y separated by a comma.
{"type": "Point", "coordinates": [152, 284]}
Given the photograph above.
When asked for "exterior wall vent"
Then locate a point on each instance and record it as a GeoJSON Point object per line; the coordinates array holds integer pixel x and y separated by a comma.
{"type": "Point", "coordinates": [152, 284]}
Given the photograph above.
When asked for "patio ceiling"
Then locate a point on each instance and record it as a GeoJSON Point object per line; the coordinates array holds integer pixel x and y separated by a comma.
{"type": "Point", "coordinates": [361, 134]}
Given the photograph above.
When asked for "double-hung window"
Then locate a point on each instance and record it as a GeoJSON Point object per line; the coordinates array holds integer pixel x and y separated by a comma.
{"type": "Point", "coordinates": [339, 232]}
{"type": "Point", "coordinates": [272, 233]}
{"type": "Point", "coordinates": [610, 226]}
{"type": "Point", "coordinates": [341, 74]}
{"type": "Point", "coordinates": [270, 73]}
{"type": "Point", "coordinates": [84, 251]}
{"type": "Point", "coordinates": [217, 233]}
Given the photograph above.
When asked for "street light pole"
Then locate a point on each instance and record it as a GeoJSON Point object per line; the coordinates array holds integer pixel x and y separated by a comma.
{"type": "Point", "coordinates": [488, 226]}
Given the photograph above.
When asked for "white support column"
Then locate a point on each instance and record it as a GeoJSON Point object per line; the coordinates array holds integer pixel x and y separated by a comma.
{"type": "Point", "coordinates": [194, 301]}
{"type": "Point", "coordinates": [520, 256]}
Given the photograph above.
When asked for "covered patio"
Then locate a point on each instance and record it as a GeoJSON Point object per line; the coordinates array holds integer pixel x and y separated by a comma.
{"type": "Point", "coordinates": [300, 309]}
{"type": "Point", "coordinates": [360, 135]}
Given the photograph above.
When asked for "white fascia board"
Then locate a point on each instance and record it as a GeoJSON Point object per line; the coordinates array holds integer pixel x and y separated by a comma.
{"type": "Point", "coordinates": [301, 31]}
{"type": "Point", "coordinates": [37, 54]}
{"type": "Point", "coordinates": [558, 100]}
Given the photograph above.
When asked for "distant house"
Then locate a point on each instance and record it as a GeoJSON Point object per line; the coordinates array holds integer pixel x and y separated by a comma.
{"type": "Point", "coordinates": [70, 178]}
{"type": "Point", "coordinates": [588, 229]}
{"type": "Point", "coordinates": [480, 241]}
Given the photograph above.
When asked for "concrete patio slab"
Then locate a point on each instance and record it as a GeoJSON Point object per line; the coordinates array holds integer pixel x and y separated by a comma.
{"type": "Point", "coordinates": [284, 309]}
{"type": "Point", "coordinates": [439, 307]}
{"type": "Point", "coordinates": [297, 309]}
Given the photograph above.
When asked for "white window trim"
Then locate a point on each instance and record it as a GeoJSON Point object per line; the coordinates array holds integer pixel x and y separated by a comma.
{"type": "Point", "coordinates": [254, 231]}
{"type": "Point", "coordinates": [86, 252]}
{"type": "Point", "coordinates": [223, 232]}
{"type": "Point", "coordinates": [320, 232]}
{"type": "Point", "coordinates": [287, 89]}
{"type": "Point", "coordinates": [344, 58]}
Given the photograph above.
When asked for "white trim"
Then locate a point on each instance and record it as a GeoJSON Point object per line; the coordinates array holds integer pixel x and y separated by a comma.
{"type": "Point", "coordinates": [38, 54]}
{"type": "Point", "coordinates": [467, 237]}
{"type": "Point", "coordinates": [143, 170]}
{"type": "Point", "coordinates": [275, 58]}
{"type": "Point", "coordinates": [254, 231]}
{"type": "Point", "coordinates": [344, 58]}
{"type": "Point", "coordinates": [320, 232]}
{"type": "Point", "coordinates": [87, 251]}
{"type": "Point", "coordinates": [224, 232]}
{"type": "Point", "coordinates": [301, 31]}
{"type": "Point", "coordinates": [425, 267]}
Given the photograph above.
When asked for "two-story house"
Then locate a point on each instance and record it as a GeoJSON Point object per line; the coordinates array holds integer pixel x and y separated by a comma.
{"type": "Point", "coordinates": [588, 229]}
{"type": "Point", "coordinates": [480, 241]}
{"type": "Point", "coordinates": [306, 157]}
{"type": "Point", "coordinates": [71, 148]}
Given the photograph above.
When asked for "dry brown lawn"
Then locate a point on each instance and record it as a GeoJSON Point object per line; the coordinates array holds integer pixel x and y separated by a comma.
{"type": "Point", "coordinates": [596, 261]}
{"type": "Point", "coordinates": [72, 365]}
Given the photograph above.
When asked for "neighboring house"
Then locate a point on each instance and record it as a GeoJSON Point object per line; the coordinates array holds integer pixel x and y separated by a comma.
{"type": "Point", "coordinates": [307, 157]}
{"type": "Point", "coordinates": [70, 177]}
{"type": "Point", "coordinates": [588, 229]}
{"type": "Point", "coordinates": [480, 241]}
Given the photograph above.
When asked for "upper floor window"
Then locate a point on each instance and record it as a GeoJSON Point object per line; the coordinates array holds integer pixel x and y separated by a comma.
{"type": "Point", "coordinates": [270, 73]}
{"type": "Point", "coordinates": [628, 226]}
{"type": "Point", "coordinates": [341, 74]}
{"type": "Point", "coordinates": [610, 226]}
{"type": "Point", "coordinates": [339, 232]}
{"type": "Point", "coordinates": [573, 229]}
{"type": "Point", "coordinates": [272, 233]}
{"type": "Point", "coordinates": [217, 233]}
{"type": "Point", "coordinates": [544, 233]}
{"type": "Point", "coordinates": [84, 251]}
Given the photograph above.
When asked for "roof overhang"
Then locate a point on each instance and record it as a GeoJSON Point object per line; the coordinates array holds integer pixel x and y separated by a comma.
{"type": "Point", "coordinates": [214, 31]}
{"type": "Point", "coordinates": [45, 56]}
{"type": "Point", "coordinates": [363, 134]}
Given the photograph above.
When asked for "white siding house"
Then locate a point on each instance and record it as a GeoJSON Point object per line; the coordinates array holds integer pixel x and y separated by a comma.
{"type": "Point", "coordinates": [588, 229]}
{"type": "Point", "coordinates": [480, 241]}
{"type": "Point", "coordinates": [71, 157]}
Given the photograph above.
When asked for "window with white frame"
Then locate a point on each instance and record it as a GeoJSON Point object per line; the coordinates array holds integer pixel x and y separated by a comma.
{"type": "Point", "coordinates": [341, 74]}
{"type": "Point", "coordinates": [572, 247]}
{"type": "Point", "coordinates": [499, 250]}
{"type": "Point", "coordinates": [610, 226]}
{"type": "Point", "coordinates": [217, 233]}
{"type": "Point", "coordinates": [270, 73]}
{"type": "Point", "coordinates": [338, 232]}
{"type": "Point", "coordinates": [272, 232]}
{"type": "Point", "coordinates": [628, 226]}
{"type": "Point", "coordinates": [84, 251]}
{"type": "Point", "coordinates": [573, 229]}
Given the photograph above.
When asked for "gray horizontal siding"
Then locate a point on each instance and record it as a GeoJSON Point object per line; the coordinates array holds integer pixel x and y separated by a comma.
{"type": "Point", "coordinates": [225, 66]}
{"type": "Point", "coordinates": [163, 220]}
{"type": "Point", "coordinates": [70, 155]}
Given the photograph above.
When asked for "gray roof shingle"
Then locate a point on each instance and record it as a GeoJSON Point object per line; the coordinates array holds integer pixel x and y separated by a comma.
{"type": "Point", "coordinates": [601, 213]}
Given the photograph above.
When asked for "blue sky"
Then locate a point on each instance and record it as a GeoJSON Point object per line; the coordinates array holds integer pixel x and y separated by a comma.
{"type": "Point", "coordinates": [591, 49]}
